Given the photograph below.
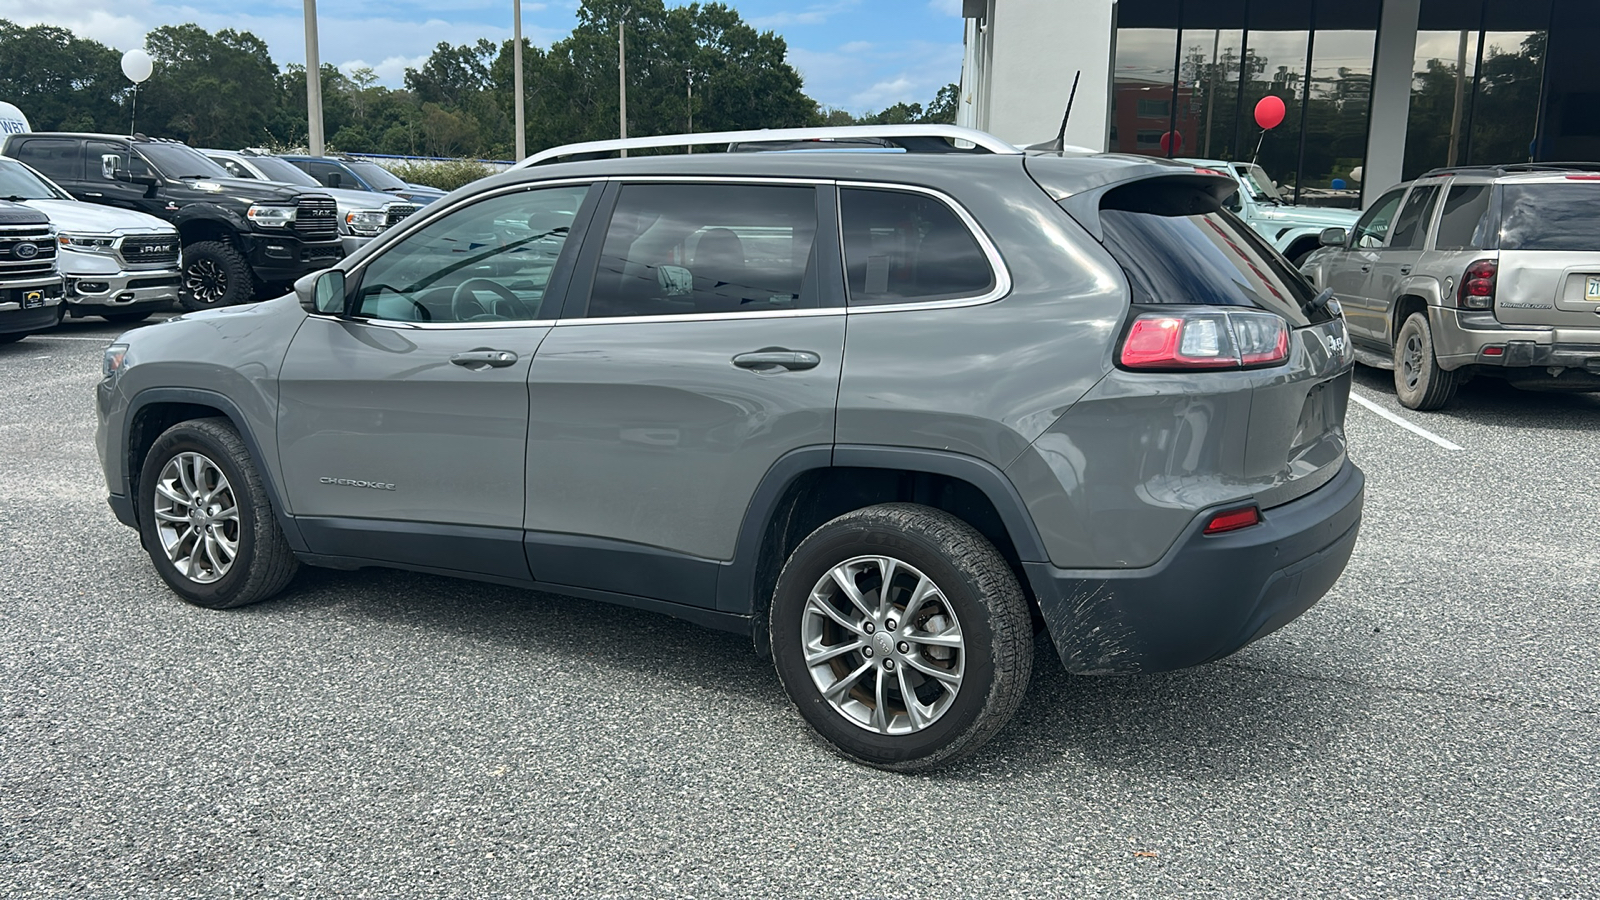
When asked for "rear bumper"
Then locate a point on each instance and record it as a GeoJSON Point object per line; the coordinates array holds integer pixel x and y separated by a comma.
{"type": "Point", "coordinates": [1210, 595]}
{"type": "Point", "coordinates": [1461, 337]}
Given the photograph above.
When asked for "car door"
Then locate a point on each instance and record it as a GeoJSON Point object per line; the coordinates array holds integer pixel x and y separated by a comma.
{"type": "Point", "coordinates": [60, 159]}
{"type": "Point", "coordinates": [1399, 257]}
{"type": "Point", "coordinates": [126, 195]}
{"type": "Point", "coordinates": [701, 342]}
{"type": "Point", "coordinates": [402, 424]}
{"type": "Point", "coordinates": [1348, 272]}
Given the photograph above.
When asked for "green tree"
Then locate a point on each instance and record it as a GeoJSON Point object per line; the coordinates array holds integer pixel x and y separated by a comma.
{"type": "Point", "coordinates": [61, 82]}
{"type": "Point", "coordinates": [209, 90]}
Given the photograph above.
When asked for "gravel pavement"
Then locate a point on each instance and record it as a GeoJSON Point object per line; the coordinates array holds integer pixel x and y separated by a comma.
{"type": "Point", "coordinates": [1432, 728]}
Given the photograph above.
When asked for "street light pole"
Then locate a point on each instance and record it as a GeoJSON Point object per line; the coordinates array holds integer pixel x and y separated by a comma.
{"type": "Point", "coordinates": [516, 75]}
{"type": "Point", "coordinates": [313, 82]}
{"type": "Point", "coordinates": [622, 79]}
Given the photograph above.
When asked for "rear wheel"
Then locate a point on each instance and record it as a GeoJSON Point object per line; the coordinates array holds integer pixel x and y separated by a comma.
{"type": "Point", "coordinates": [206, 519]}
{"type": "Point", "coordinates": [1418, 380]}
{"type": "Point", "coordinates": [902, 636]}
{"type": "Point", "coordinates": [214, 274]}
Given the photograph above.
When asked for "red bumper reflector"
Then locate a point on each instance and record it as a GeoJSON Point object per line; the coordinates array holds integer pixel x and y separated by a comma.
{"type": "Point", "coordinates": [1494, 351]}
{"type": "Point", "coordinates": [1233, 520]}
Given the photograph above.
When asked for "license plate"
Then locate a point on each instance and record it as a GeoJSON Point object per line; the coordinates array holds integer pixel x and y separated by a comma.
{"type": "Point", "coordinates": [32, 299]}
{"type": "Point", "coordinates": [1591, 291]}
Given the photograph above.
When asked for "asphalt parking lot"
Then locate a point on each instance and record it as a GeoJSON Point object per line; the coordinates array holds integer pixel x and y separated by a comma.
{"type": "Point", "coordinates": [1432, 728]}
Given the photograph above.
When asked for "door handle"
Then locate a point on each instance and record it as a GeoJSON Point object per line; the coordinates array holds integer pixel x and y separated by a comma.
{"type": "Point", "coordinates": [484, 358]}
{"type": "Point", "coordinates": [1366, 267]}
{"type": "Point", "coordinates": [771, 359]}
{"type": "Point", "coordinates": [1405, 270]}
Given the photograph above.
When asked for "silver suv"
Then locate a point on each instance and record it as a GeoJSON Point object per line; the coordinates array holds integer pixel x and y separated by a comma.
{"type": "Point", "coordinates": [887, 413]}
{"type": "Point", "coordinates": [1484, 270]}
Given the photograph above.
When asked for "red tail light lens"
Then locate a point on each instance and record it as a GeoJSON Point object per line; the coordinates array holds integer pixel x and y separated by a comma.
{"type": "Point", "coordinates": [1233, 520]}
{"type": "Point", "coordinates": [1232, 339]}
{"type": "Point", "coordinates": [1477, 285]}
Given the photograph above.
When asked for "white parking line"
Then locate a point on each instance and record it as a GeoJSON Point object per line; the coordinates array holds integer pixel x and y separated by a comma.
{"type": "Point", "coordinates": [1409, 426]}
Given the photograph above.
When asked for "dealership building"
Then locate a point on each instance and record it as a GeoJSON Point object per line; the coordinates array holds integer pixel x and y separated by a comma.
{"type": "Point", "coordinates": [1376, 91]}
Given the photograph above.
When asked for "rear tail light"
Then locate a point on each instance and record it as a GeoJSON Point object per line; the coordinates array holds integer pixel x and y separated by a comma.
{"type": "Point", "coordinates": [1233, 520]}
{"type": "Point", "coordinates": [1477, 285]}
{"type": "Point", "coordinates": [1232, 339]}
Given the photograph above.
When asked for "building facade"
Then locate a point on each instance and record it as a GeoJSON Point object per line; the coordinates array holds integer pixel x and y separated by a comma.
{"type": "Point", "coordinates": [1375, 91]}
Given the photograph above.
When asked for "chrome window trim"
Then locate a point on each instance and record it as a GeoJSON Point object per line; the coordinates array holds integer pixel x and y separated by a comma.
{"type": "Point", "coordinates": [705, 317]}
{"type": "Point", "coordinates": [997, 265]}
{"type": "Point", "coordinates": [435, 326]}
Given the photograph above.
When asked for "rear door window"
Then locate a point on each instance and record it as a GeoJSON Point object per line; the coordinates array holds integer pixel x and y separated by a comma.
{"type": "Point", "coordinates": [57, 158]}
{"type": "Point", "coordinates": [904, 247]}
{"type": "Point", "coordinates": [1562, 216]}
{"type": "Point", "coordinates": [1411, 226]}
{"type": "Point", "coordinates": [1179, 246]}
{"type": "Point", "coordinates": [688, 249]}
{"type": "Point", "coordinates": [1464, 224]}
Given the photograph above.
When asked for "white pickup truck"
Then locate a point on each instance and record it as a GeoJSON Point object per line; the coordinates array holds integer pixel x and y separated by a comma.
{"type": "Point", "coordinates": [119, 264]}
{"type": "Point", "coordinates": [1293, 230]}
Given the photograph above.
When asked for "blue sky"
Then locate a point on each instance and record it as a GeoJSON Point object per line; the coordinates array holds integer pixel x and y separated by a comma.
{"type": "Point", "coordinates": [854, 54]}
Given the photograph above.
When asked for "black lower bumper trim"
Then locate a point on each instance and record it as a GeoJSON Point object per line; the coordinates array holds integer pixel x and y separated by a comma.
{"type": "Point", "coordinates": [1210, 595]}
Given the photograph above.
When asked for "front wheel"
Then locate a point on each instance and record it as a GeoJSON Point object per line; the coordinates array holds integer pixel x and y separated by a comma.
{"type": "Point", "coordinates": [206, 520]}
{"type": "Point", "coordinates": [214, 274]}
{"type": "Point", "coordinates": [1419, 383]}
{"type": "Point", "coordinates": [902, 636]}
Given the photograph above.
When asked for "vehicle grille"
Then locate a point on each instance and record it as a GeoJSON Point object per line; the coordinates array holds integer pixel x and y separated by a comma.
{"type": "Point", "coordinates": [27, 250]}
{"type": "Point", "coordinates": [150, 251]}
{"type": "Point", "coordinates": [317, 218]}
{"type": "Point", "coordinates": [397, 213]}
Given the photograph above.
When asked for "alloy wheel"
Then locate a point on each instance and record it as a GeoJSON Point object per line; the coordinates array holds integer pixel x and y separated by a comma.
{"type": "Point", "coordinates": [1411, 360]}
{"type": "Point", "coordinates": [197, 517]}
{"type": "Point", "coordinates": [883, 645]}
{"type": "Point", "coordinates": [206, 281]}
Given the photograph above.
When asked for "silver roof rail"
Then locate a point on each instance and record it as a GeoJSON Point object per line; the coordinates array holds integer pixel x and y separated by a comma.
{"type": "Point", "coordinates": [982, 141]}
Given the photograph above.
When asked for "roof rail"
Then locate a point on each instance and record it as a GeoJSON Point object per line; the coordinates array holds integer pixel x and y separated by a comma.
{"type": "Point", "coordinates": [1515, 168]}
{"type": "Point", "coordinates": [911, 138]}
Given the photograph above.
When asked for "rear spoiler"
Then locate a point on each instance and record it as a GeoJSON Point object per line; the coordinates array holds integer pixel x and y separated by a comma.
{"type": "Point", "coordinates": [1086, 195]}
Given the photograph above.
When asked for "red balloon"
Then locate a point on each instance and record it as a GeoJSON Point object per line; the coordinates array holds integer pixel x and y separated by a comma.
{"type": "Point", "coordinates": [1270, 112]}
{"type": "Point", "coordinates": [1172, 142]}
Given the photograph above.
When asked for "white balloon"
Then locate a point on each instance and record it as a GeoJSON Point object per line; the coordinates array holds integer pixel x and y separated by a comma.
{"type": "Point", "coordinates": [137, 65]}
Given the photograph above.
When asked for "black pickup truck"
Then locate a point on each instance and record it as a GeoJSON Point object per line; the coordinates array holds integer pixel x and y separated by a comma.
{"type": "Point", "coordinates": [242, 240]}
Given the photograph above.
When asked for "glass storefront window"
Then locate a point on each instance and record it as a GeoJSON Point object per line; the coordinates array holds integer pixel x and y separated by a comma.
{"type": "Point", "coordinates": [1141, 93]}
{"type": "Point", "coordinates": [1442, 75]}
{"type": "Point", "coordinates": [1506, 112]}
{"type": "Point", "coordinates": [1336, 117]}
{"type": "Point", "coordinates": [1209, 76]}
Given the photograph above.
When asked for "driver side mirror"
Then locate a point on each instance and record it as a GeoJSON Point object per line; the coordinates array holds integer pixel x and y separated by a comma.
{"type": "Point", "coordinates": [1333, 237]}
{"type": "Point", "coordinates": [322, 293]}
{"type": "Point", "coordinates": [111, 169]}
{"type": "Point", "coordinates": [332, 179]}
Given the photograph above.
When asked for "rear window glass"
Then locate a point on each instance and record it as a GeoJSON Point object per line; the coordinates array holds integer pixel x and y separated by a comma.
{"type": "Point", "coordinates": [1178, 246]}
{"type": "Point", "coordinates": [901, 247]}
{"type": "Point", "coordinates": [1464, 225]}
{"type": "Point", "coordinates": [1563, 216]}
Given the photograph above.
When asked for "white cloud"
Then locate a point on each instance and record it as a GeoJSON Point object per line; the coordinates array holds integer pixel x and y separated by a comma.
{"type": "Point", "coordinates": [815, 14]}
{"type": "Point", "coordinates": [947, 7]}
{"type": "Point", "coordinates": [911, 72]}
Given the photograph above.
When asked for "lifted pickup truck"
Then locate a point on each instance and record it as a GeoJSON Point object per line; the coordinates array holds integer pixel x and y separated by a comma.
{"type": "Point", "coordinates": [241, 239]}
{"type": "Point", "coordinates": [1293, 230]}
{"type": "Point", "coordinates": [30, 286]}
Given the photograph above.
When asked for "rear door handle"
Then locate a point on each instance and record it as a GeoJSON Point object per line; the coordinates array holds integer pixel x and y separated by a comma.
{"type": "Point", "coordinates": [484, 358]}
{"type": "Point", "coordinates": [771, 359]}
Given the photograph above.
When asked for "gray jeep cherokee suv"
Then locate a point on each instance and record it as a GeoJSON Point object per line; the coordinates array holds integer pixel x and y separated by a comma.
{"type": "Point", "coordinates": [877, 410]}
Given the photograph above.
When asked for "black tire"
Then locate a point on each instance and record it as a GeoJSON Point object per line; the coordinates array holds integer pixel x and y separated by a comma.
{"type": "Point", "coordinates": [1418, 380]}
{"type": "Point", "coordinates": [263, 564]}
{"type": "Point", "coordinates": [996, 656]}
{"type": "Point", "coordinates": [126, 318]}
{"type": "Point", "coordinates": [214, 274]}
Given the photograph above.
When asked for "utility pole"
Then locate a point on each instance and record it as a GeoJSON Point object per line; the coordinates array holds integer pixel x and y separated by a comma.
{"type": "Point", "coordinates": [622, 79]}
{"type": "Point", "coordinates": [313, 82]}
{"type": "Point", "coordinates": [689, 94]}
{"type": "Point", "coordinates": [516, 75]}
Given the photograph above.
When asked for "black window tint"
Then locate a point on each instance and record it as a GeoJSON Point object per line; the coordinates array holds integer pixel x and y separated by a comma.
{"type": "Point", "coordinates": [488, 262]}
{"type": "Point", "coordinates": [1563, 216]}
{"type": "Point", "coordinates": [1374, 224]}
{"type": "Point", "coordinates": [1178, 246]}
{"type": "Point", "coordinates": [1464, 224]}
{"type": "Point", "coordinates": [55, 157]}
{"type": "Point", "coordinates": [901, 247]}
{"type": "Point", "coordinates": [1411, 226]}
{"type": "Point", "coordinates": [674, 249]}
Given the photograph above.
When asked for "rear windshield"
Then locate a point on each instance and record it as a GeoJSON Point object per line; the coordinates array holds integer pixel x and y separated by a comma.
{"type": "Point", "coordinates": [1564, 216]}
{"type": "Point", "coordinates": [1178, 246]}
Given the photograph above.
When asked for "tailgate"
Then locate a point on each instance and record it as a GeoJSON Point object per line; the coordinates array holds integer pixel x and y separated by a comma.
{"type": "Point", "coordinates": [1546, 287]}
{"type": "Point", "coordinates": [1296, 440]}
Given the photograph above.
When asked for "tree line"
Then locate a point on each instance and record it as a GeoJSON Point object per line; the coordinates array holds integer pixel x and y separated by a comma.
{"type": "Point", "coordinates": [696, 67]}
